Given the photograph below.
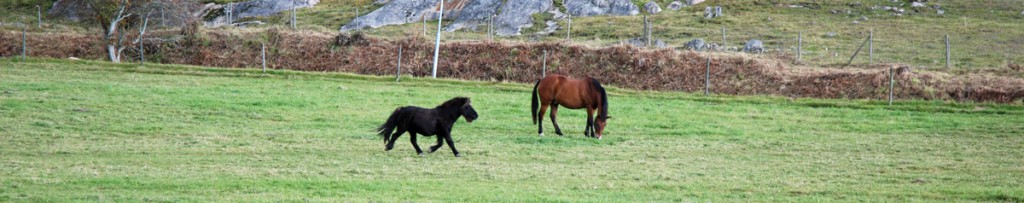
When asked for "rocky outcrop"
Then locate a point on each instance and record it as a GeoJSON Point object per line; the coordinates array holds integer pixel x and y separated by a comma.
{"type": "Point", "coordinates": [74, 10]}
{"type": "Point", "coordinates": [652, 7]}
{"type": "Point", "coordinates": [257, 8]}
{"type": "Point", "coordinates": [601, 7]}
{"type": "Point", "coordinates": [475, 13]}
{"type": "Point", "coordinates": [509, 17]}
{"type": "Point", "coordinates": [754, 46]}
{"type": "Point", "coordinates": [675, 5]}
{"type": "Point", "coordinates": [517, 15]}
{"type": "Point", "coordinates": [696, 45]}
{"type": "Point", "coordinates": [394, 13]}
{"type": "Point", "coordinates": [216, 15]}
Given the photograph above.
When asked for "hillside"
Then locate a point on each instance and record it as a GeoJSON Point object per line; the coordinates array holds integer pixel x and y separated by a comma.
{"type": "Point", "coordinates": [95, 131]}
{"type": "Point", "coordinates": [984, 35]}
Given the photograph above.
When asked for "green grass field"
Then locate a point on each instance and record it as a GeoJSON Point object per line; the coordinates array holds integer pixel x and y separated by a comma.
{"type": "Point", "coordinates": [93, 131]}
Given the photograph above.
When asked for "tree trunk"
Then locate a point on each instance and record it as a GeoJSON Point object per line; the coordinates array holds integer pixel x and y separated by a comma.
{"type": "Point", "coordinates": [112, 51]}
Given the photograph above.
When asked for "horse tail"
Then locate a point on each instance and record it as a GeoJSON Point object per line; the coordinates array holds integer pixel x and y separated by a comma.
{"type": "Point", "coordinates": [604, 99]}
{"type": "Point", "coordinates": [534, 103]}
{"type": "Point", "coordinates": [388, 127]}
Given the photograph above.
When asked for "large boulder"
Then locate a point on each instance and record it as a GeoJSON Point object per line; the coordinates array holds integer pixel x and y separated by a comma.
{"type": "Point", "coordinates": [395, 12]}
{"type": "Point", "coordinates": [216, 15]}
{"type": "Point", "coordinates": [257, 8]}
{"type": "Point", "coordinates": [652, 7]}
{"type": "Point", "coordinates": [754, 46]}
{"type": "Point", "coordinates": [74, 10]}
{"type": "Point", "coordinates": [475, 13]}
{"type": "Point", "coordinates": [601, 7]}
{"type": "Point", "coordinates": [518, 14]}
{"type": "Point", "coordinates": [675, 5]}
{"type": "Point", "coordinates": [696, 45]}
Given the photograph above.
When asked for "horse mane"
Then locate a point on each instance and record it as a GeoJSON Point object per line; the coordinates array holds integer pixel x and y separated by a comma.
{"type": "Point", "coordinates": [455, 102]}
{"type": "Point", "coordinates": [603, 113]}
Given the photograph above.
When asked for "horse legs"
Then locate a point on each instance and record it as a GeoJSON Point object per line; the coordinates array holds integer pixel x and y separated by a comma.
{"type": "Point", "coordinates": [540, 119]}
{"type": "Point", "coordinates": [590, 131]}
{"type": "Point", "coordinates": [440, 141]}
{"type": "Point", "coordinates": [391, 142]}
{"type": "Point", "coordinates": [412, 137]}
{"type": "Point", "coordinates": [451, 144]}
{"type": "Point", "coordinates": [554, 112]}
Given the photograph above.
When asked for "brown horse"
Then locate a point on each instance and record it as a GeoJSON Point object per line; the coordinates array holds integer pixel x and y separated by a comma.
{"type": "Point", "coordinates": [555, 90]}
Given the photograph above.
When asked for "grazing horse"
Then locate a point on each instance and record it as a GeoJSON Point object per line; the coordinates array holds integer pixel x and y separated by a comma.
{"type": "Point", "coordinates": [427, 122]}
{"type": "Point", "coordinates": [555, 90]}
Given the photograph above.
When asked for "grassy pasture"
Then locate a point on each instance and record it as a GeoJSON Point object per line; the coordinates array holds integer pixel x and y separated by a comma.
{"type": "Point", "coordinates": [93, 131]}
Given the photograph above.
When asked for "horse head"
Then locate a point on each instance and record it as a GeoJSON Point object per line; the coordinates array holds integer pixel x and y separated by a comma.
{"type": "Point", "coordinates": [464, 106]}
{"type": "Point", "coordinates": [468, 112]}
{"type": "Point", "coordinates": [602, 115]}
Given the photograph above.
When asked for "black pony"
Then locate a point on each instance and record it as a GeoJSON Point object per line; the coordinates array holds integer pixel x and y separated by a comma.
{"type": "Point", "coordinates": [427, 122]}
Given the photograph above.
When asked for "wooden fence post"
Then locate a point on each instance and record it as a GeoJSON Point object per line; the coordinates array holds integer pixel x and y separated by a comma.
{"type": "Point", "coordinates": [799, 45]}
{"type": "Point", "coordinates": [263, 56]}
{"type": "Point", "coordinates": [947, 52]}
{"type": "Point", "coordinates": [858, 51]}
{"type": "Point", "coordinates": [724, 41]}
{"type": "Point", "coordinates": [544, 67]}
{"type": "Point", "coordinates": [39, 16]}
{"type": "Point", "coordinates": [398, 73]}
{"type": "Point", "coordinates": [24, 42]}
{"type": "Point", "coordinates": [871, 47]}
{"type": "Point", "coordinates": [891, 81]}
{"type": "Point", "coordinates": [568, 30]}
{"type": "Point", "coordinates": [707, 77]}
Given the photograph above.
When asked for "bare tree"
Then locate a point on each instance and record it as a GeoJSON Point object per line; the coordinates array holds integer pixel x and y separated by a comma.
{"type": "Point", "coordinates": [116, 17]}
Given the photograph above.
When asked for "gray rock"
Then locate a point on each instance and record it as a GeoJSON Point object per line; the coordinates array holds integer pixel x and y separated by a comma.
{"type": "Point", "coordinates": [552, 26]}
{"type": "Point", "coordinates": [394, 13]}
{"type": "Point", "coordinates": [601, 7]}
{"type": "Point", "coordinates": [718, 11]}
{"type": "Point", "coordinates": [475, 13]}
{"type": "Point", "coordinates": [1022, 12]}
{"type": "Point", "coordinates": [675, 5]}
{"type": "Point", "coordinates": [640, 42]}
{"type": "Point", "coordinates": [693, 2]}
{"type": "Point", "coordinates": [517, 15]}
{"type": "Point", "coordinates": [754, 46]}
{"type": "Point", "coordinates": [652, 7]}
{"type": "Point", "coordinates": [74, 10]}
{"type": "Point", "coordinates": [696, 45]}
{"type": "Point", "coordinates": [382, 2]}
{"type": "Point", "coordinates": [257, 8]}
{"type": "Point", "coordinates": [940, 12]}
{"type": "Point", "coordinates": [863, 18]}
{"type": "Point", "coordinates": [917, 4]}
{"type": "Point", "coordinates": [708, 12]}
{"type": "Point", "coordinates": [830, 34]}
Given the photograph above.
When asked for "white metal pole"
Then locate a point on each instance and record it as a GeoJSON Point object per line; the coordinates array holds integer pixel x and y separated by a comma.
{"type": "Point", "coordinates": [437, 42]}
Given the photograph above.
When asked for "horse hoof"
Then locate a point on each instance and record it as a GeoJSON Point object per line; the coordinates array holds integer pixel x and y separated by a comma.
{"type": "Point", "coordinates": [541, 135]}
{"type": "Point", "coordinates": [458, 155]}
